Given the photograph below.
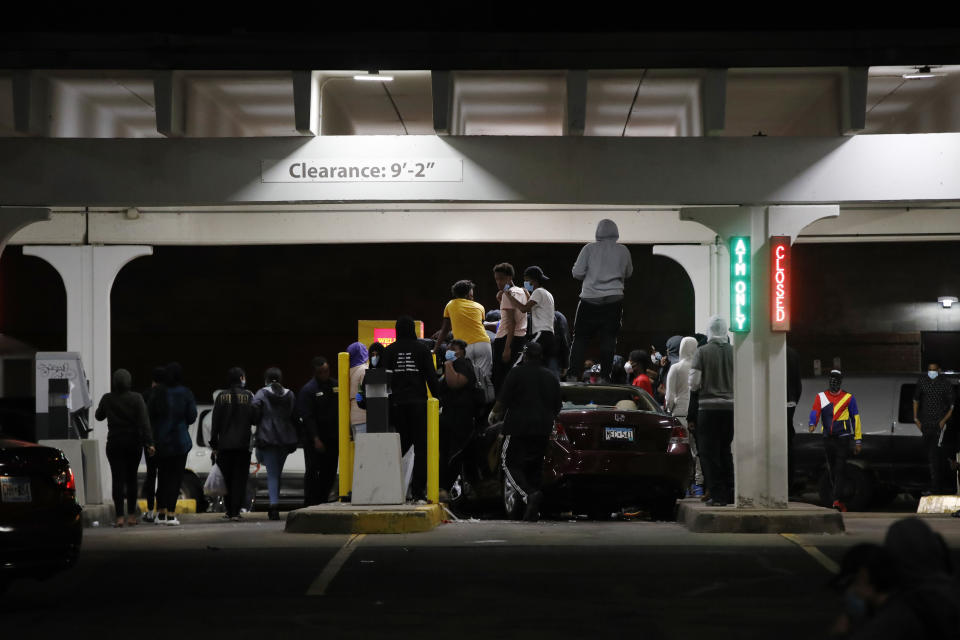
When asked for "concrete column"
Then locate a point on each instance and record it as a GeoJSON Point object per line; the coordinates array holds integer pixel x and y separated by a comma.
{"type": "Point", "coordinates": [88, 273]}
{"type": "Point", "coordinates": [760, 374]}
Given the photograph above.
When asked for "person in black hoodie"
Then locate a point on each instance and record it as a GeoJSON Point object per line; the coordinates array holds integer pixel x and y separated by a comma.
{"type": "Point", "coordinates": [413, 370]}
{"type": "Point", "coordinates": [234, 416]}
{"type": "Point", "coordinates": [276, 435]}
{"type": "Point", "coordinates": [317, 408]}
{"type": "Point", "coordinates": [128, 433]}
{"type": "Point", "coordinates": [156, 400]}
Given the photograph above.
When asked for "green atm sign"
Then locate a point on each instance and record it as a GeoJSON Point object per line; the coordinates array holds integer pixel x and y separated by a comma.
{"type": "Point", "coordinates": [740, 284]}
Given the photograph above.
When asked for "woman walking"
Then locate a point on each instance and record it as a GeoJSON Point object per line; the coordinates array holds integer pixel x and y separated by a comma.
{"type": "Point", "coordinates": [128, 434]}
{"type": "Point", "coordinates": [234, 416]}
{"type": "Point", "coordinates": [276, 435]}
{"type": "Point", "coordinates": [358, 368]}
{"type": "Point", "coordinates": [157, 385]}
{"type": "Point", "coordinates": [176, 410]}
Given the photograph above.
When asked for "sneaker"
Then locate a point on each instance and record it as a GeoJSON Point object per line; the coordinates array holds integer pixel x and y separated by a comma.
{"type": "Point", "coordinates": [235, 518]}
{"type": "Point", "coordinates": [150, 516]}
{"type": "Point", "coordinates": [273, 514]}
{"type": "Point", "coordinates": [713, 502]}
{"type": "Point", "coordinates": [839, 506]}
{"type": "Point", "coordinates": [532, 512]}
{"type": "Point", "coordinates": [173, 522]}
{"type": "Point", "coordinates": [697, 491]}
{"type": "Point", "coordinates": [161, 519]}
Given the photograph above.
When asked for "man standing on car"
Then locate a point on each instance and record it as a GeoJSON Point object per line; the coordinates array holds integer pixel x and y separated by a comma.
{"type": "Point", "coordinates": [512, 330]}
{"type": "Point", "coordinates": [318, 409]}
{"type": "Point", "coordinates": [603, 266]}
{"type": "Point", "coordinates": [838, 413]}
{"type": "Point", "coordinates": [464, 316]}
{"type": "Point", "coordinates": [531, 400]}
{"type": "Point", "coordinates": [932, 407]}
{"type": "Point", "coordinates": [413, 371]}
{"type": "Point", "coordinates": [711, 376]}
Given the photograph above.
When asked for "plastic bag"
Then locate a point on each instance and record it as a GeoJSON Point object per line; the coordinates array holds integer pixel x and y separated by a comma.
{"type": "Point", "coordinates": [215, 486]}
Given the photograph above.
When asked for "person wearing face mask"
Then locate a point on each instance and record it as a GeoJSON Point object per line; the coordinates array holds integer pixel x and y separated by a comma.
{"type": "Point", "coordinates": [677, 402]}
{"type": "Point", "coordinates": [464, 317]}
{"type": "Point", "coordinates": [458, 398]}
{"type": "Point", "coordinates": [358, 368]}
{"type": "Point", "coordinates": [932, 407]}
{"type": "Point", "coordinates": [512, 330]}
{"type": "Point", "coordinates": [837, 412]}
{"type": "Point", "coordinates": [636, 369]}
{"type": "Point", "coordinates": [318, 409]}
{"type": "Point", "coordinates": [540, 306]}
{"type": "Point", "coordinates": [234, 418]}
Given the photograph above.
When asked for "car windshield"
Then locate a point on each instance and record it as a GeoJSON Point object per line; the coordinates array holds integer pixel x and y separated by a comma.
{"type": "Point", "coordinates": [584, 395]}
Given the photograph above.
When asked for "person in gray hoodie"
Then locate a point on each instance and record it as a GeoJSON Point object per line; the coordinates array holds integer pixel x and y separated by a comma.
{"type": "Point", "coordinates": [276, 435]}
{"type": "Point", "coordinates": [711, 376]}
{"type": "Point", "coordinates": [677, 401]}
{"type": "Point", "coordinates": [602, 266]}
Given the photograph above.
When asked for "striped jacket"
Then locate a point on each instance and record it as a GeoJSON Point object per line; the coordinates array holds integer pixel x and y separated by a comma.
{"type": "Point", "coordinates": [838, 414]}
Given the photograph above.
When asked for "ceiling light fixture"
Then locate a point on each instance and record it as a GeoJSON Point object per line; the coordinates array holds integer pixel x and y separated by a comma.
{"type": "Point", "coordinates": [947, 301]}
{"type": "Point", "coordinates": [373, 76]}
{"type": "Point", "coordinates": [922, 73]}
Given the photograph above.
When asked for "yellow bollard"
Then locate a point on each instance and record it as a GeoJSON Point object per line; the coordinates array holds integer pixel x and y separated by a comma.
{"type": "Point", "coordinates": [346, 444]}
{"type": "Point", "coordinates": [433, 450]}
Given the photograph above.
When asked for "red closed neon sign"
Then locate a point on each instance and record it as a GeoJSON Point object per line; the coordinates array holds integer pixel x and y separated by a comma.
{"type": "Point", "coordinates": [780, 281]}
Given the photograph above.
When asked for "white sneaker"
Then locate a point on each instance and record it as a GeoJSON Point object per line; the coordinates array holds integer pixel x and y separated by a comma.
{"type": "Point", "coordinates": [172, 522]}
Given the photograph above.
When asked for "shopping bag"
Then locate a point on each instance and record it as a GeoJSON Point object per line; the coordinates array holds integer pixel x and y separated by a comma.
{"type": "Point", "coordinates": [215, 486]}
{"type": "Point", "coordinates": [406, 467]}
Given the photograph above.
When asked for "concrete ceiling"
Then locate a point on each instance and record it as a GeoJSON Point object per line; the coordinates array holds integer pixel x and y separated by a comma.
{"type": "Point", "coordinates": [637, 102]}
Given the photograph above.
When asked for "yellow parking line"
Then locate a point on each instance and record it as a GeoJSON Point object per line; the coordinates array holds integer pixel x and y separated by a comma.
{"type": "Point", "coordinates": [814, 553]}
{"type": "Point", "coordinates": [319, 586]}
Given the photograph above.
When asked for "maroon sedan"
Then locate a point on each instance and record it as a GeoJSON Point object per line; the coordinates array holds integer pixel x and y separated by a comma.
{"type": "Point", "coordinates": [612, 447]}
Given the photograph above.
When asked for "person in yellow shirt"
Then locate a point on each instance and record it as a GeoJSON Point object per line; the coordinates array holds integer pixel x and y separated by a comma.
{"type": "Point", "coordinates": [464, 317]}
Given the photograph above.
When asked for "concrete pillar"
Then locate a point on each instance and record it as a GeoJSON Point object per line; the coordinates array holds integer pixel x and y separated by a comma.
{"type": "Point", "coordinates": [703, 264]}
{"type": "Point", "coordinates": [760, 357]}
{"type": "Point", "coordinates": [88, 273]}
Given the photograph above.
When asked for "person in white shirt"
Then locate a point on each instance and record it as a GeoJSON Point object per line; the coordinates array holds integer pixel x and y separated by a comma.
{"type": "Point", "coordinates": [540, 306]}
{"type": "Point", "coordinates": [678, 400]}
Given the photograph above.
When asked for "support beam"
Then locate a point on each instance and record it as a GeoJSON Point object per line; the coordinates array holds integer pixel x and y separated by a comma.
{"type": "Point", "coordinates": [88, 273]}
{"type": "Point", "coordinates": [170, 104]}
{"type": "Point", "coordinates": [576, 106]}
{"type": "Point", "coordinates": [713, 97]}
{"type": "Point", "coordinates": [853, 101]}
{"type": "Point", "coordinates": [31, 103]}
{"type": "Point", "coordinates": [442, 83]}
{"type": "Point", "coordinates": [306, 103]}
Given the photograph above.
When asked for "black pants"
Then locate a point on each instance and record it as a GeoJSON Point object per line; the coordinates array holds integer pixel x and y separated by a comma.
{"type": "Point", "coordinates": [600, 321]}
{"type": "Point", "coordinates": [704, 466]}
{"type": "Point", "coordinates": [169, 476]}
{"type": "Point", "coordinates": [501, 368]}
{"type": "Point", "coordinates": [124, 460]}
{"type": "Point", "coordinates": [456, 428]}
{"type": "Point", "coordinates": [837, 450]}
{"type": "Point", "coordinates": [940, 477]}
{"type": "Point", "coordinates": [715, 427]}
{"type": "Point", "coordinates": [522, 458]}
{"type": "Point", "coordinates": [410, 421]}
{"type": "Point", "coordinates": [791, 433]}
{"type": "Point", "coordinates": [320, 472]}
{"type": "Point", "coordinates": [150, 482]}
{"type": "Point", "coordinates": [235, 466]}
{"type": "Point", "coordinates": [548, 341]}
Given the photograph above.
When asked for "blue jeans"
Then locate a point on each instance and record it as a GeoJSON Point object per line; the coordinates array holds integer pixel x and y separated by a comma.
{"type": "Point", "coordinates": [273, 458]}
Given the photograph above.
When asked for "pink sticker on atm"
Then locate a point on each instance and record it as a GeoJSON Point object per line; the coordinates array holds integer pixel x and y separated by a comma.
{"type": "Point", "coordinates": [385, 336]}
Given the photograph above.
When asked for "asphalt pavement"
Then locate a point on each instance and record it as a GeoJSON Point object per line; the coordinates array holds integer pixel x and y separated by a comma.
{"type": "Point", "coordinates": [470, 579]}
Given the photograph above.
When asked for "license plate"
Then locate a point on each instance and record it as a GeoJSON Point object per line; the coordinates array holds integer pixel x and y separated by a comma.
{"type": "Point", "coordinates": [624, 434]}
{"type": "Point", "coordinates": [15, 489]}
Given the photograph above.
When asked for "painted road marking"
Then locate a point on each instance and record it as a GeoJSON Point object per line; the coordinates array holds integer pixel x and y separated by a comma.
{"type": "Point", "coordinates": [319, 586]}
{"type": "Point", "coordinates": [814, 553]}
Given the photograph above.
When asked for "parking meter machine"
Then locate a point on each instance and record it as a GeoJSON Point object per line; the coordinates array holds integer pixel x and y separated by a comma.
{"type": "Point", "coordinates": [377, 475]}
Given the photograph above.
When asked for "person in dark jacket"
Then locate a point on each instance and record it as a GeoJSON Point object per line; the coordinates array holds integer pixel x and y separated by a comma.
{"type": "Point", "coordinates": [459, 395]}
{"type": "Point", "coordinates": [932, 408]}
{"type": "Point", "coordinates": [128, 434]}
{"type": "Point", "coordinates": [156, 400]}
{"type": "Point", "coordinates": [794, 391]}
{"type": "Point", "coordinates": [531, 400]}
{"type": "Point", "coordinates": [234, 416]}
{"type": "Point", "coordinates": [276, 435]}
{"type": "Point", "coordinates": [318, 410]}
{"type": "Point", "coordinates": [413, 370]}
{"type": "Point", "coordinates": [176, 410]}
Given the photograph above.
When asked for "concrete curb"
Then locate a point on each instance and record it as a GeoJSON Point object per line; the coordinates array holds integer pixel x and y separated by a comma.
{"type": "Point", "coordinates": [796, 518]}
{"type": "Point", "coordinates": [346, 518]}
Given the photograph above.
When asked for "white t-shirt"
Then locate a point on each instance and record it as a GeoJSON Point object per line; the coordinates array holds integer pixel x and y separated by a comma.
{"type": "Point", "coordinates": [542, 312]}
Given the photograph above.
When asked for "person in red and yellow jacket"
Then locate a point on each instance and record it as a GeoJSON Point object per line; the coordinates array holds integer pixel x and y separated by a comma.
{"type": "Point", "coordinates": [837, 412]}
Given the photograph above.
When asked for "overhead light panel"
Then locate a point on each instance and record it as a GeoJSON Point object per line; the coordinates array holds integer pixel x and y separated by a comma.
{"type": "Point", "coordinates": [947, 301]}
{"type": "Point", "coordinates": [373, 76]}
{"type": "Point", "coordinates": [922, 73]}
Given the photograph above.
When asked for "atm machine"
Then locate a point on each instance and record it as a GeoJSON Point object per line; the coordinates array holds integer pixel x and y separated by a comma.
{"type": "Point", "coordinates": [62, 418]}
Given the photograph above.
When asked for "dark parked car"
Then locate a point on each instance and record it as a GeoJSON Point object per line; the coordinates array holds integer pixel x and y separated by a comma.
{"type": "Point", "coordinates": [612, 446]}
{"type": "Point", "coordinates": [40, 526]}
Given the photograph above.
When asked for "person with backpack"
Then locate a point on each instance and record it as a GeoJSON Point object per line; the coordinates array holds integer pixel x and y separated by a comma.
{"type": "Point", "coordinates": [175, 409]}
{"type": "Point", "coordinates": [234, 416]}
{"type": "Point", "coordinates": [276, 435]}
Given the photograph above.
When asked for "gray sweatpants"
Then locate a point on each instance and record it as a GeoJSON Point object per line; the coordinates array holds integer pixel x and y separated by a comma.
{"type": "Point", "coordinates": [481, 354]}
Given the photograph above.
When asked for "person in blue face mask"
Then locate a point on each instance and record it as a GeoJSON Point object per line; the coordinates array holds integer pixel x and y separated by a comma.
{"type": "Point", "coordinates": [932, 408]}
{"type": "Point", "coordinates": [541, 307]}
{"type": "Point", "coordinates": [459, 397]}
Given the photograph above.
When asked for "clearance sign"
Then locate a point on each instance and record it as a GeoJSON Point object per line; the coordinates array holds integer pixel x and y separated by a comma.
{"type": "Point", "coordinates": [740, 284]}
{"type": "Point", "coordinates": [780, 283]}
